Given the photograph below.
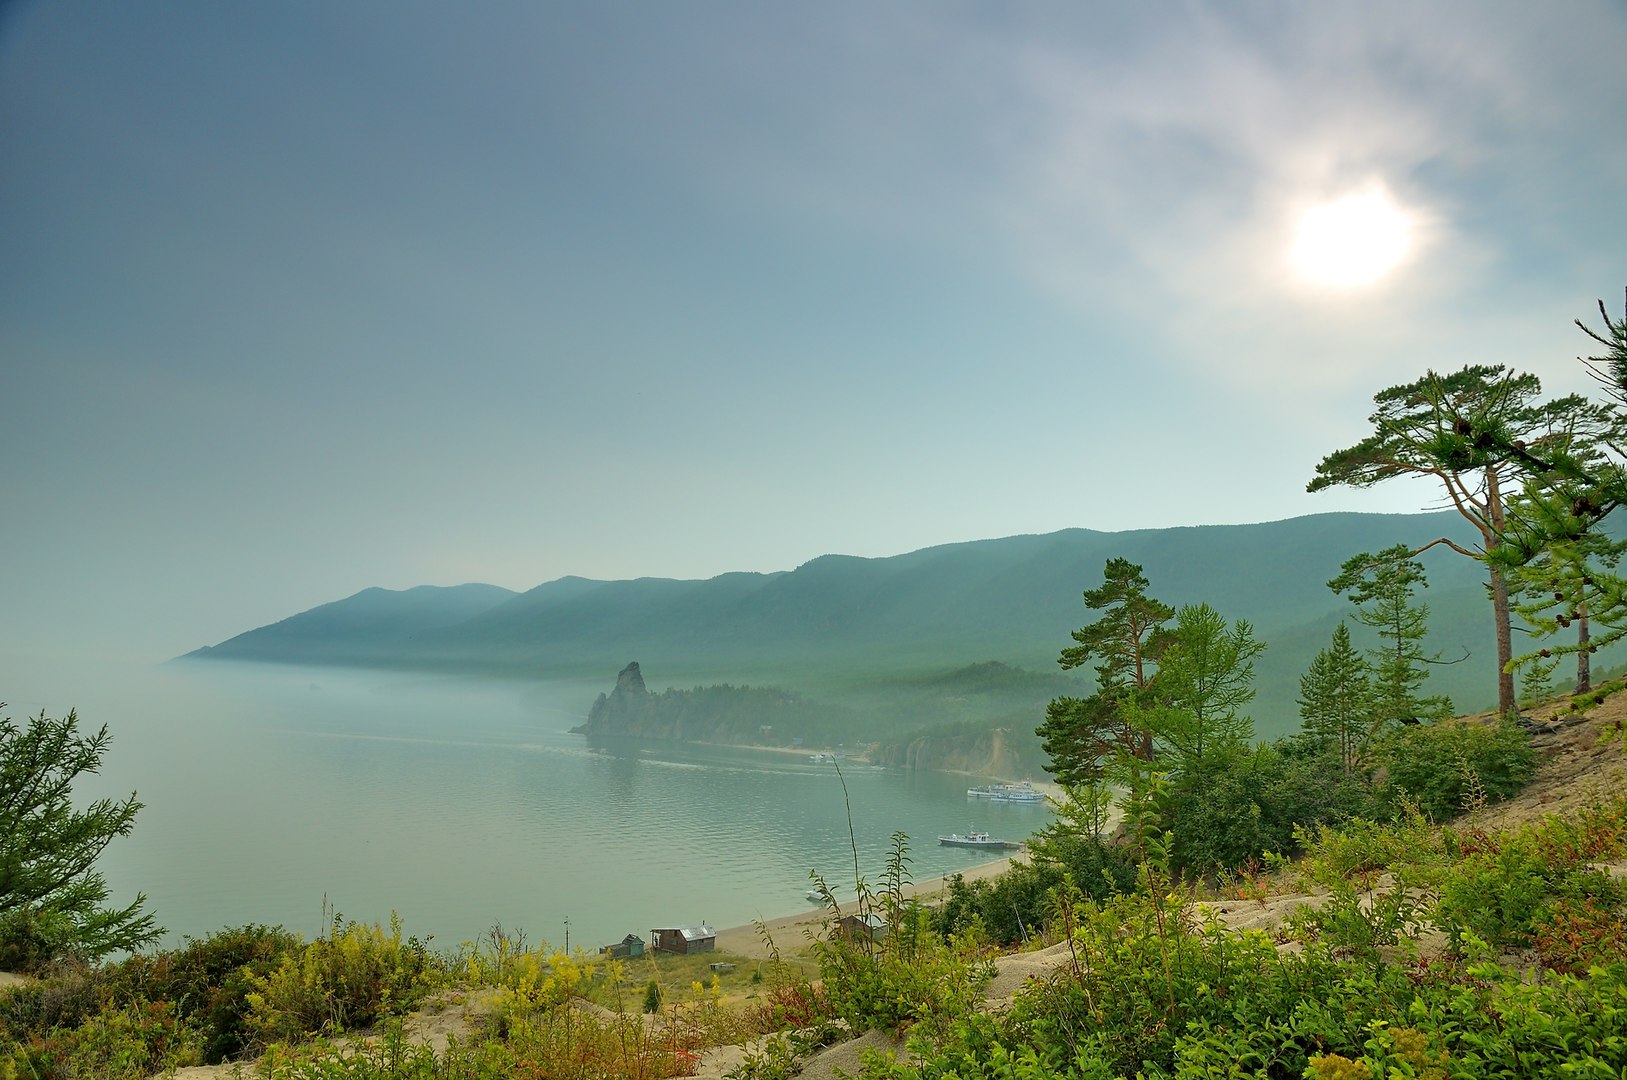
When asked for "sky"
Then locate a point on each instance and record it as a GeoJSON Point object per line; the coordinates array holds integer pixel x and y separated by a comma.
{"type": "Point", "coordinates": [302, 298]}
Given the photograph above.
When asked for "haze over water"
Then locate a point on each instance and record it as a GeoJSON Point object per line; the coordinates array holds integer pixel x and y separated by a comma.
{"type": "Point", "coordinates": [460, 803]}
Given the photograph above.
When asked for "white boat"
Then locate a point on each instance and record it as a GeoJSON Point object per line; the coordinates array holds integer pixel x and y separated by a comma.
{"type": "Point", "coordinates": [975, 840]}
{"type": "Point", "coordinates": [1023, 792]}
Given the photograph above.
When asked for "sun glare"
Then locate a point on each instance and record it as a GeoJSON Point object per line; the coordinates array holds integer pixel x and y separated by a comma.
{"type": "Point", "coordinates": [1353, 241]}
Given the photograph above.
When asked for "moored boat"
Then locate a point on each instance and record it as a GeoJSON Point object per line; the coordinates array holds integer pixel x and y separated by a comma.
{"type": "Point", "coordinates": [976, 840]}
{"type": "Point", "coordinates": [1023, 792]}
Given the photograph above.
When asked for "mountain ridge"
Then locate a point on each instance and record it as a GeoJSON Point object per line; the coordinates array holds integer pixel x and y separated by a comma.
{"type": "Point", "coordinates": [842, 623]}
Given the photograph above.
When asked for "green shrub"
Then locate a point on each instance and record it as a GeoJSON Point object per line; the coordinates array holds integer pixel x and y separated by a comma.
{"type": "Point", "coordinates": [209, 981]}
{"type": "Point", "coordinates": [1229, 1005]}
{"type": "Point", "coordinates": [1440, 766]}
{"type": "Point", "coordinates": [1016, 906]}
{"type": "Point", "coordinates": [31, 939]}
{"type": "Point", "coordinates": [911, 975]}
{"type": "Point", "coordinates": [1505, 889]}
{"type": "Point", "coordinates": [125, 1042]}
{"type": "Point", "coordinates": [349, 979]}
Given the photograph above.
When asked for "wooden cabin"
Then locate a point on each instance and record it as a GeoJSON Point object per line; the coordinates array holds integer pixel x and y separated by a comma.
{"type": "Point", "coordinates": [684, 939]}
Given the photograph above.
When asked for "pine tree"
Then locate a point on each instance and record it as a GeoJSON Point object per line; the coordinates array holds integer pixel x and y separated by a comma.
{"type": "Point", "coordinates": [51, 897]}
{"type": "Point", "coordinates": [1382, 586]}
{"type": "Point", "coordinates": [1466, 429]}
{"type": "Point", "coordinates": [1336, 701]}
{"type": "Point", "coordinates": [1205, 678]}
{"type": "Point", "coordinates": [1080, 734]}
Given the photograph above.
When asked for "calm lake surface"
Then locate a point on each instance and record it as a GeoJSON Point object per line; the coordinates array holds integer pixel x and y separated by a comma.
{"type": "Point", "coordinates": [463, 803]}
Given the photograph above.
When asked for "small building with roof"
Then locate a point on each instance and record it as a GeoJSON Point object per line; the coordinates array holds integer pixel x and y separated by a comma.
{"type": "Point", "coordinates": [628, 948]}
{"type": "Point", "coordinates": [855, 927]}
{"type": "Point", "coordinates": [684, 939]}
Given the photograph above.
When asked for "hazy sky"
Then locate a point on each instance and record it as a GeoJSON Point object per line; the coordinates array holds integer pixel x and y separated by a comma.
{"type": "Point", "coordinates": [302, 297]}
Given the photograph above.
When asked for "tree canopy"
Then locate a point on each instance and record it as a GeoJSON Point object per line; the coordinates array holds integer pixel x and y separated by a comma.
{"type": "Point", "coordinates": [52, 899]}
{"type": "Point", "coordinates": [1079, 734]}
{"type": "Point", "coordinates": [1460, 428]}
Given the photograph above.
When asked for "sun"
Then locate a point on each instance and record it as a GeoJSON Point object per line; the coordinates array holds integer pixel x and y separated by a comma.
{"type": "Point", "coordinates": [1353, 241]}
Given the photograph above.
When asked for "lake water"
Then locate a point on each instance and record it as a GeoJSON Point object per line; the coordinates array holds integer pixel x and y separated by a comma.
{"type": "Point", "coordinates": [461, 803]}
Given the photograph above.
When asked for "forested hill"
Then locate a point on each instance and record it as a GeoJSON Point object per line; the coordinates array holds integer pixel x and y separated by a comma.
{"type": "Point", "coordinates": [844, 621]}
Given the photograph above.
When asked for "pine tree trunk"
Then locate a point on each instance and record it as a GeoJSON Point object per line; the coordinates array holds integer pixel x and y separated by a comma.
{"type": "Point", "coordinates": [1584, 667]}
{"type": "Point", "coordinates": [1507, 703]}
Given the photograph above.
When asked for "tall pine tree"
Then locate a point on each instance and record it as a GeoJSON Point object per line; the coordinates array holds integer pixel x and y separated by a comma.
{"type": "Point", "coordinates": [1466, 429]}
{"type": "Point", "coordinates": [1079, 734]}
{"type": "Point", "coordinates": [1336, 701]}
{"type": "Point", "coordinates": [1382, 587]}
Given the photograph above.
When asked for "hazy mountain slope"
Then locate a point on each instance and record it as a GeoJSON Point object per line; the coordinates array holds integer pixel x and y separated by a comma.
{"type": "Point", "coordinates": [371, 626]}
{"type": "Point", "coordinates": [838, 624]}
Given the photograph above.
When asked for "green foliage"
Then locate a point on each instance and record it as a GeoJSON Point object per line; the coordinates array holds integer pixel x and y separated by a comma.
{"type": "Point", "coordinates": [652, 996]}
{"type": "Point", "coordinates": [1237, 804]}
{"type": "Point", "coordinates": [1465, 429]}
{"type": "Point", "coordinates": [351, 978]}
{"type": "Point", "coordinates": [119, 1042]}
{"type": "Point", "coordinates": [1510, 891]}
{"type": "Point", "coordinates": [1375, 876]}
{"type": "Point", "coordinates": [1440, 765]}
{"type": "Point", "coordinates": [1079, 735]}
{"type": "Point", "coordinates": [1566, 586]}
{"type": "Point", "coordinates": [1382, 588]}
{"type": "Point", "coordinates": [1018, 906]}
{"type": "Point", "coordinates": [208, 981]}
{"type": "Point", "coordinates": [1205, 678]}
{"type": "Point", "coordinates": [1229, 1004]}
{"type": "Point", "coordinates": [911, 975]}
{"type": "Point", "coordinates": [1336, 702]}
{"type": "Point", "coordinates": [52, 900]}
{"type": "Point", "coordinates": [773, 1059]}
{"type": "Point", "coordinates": [1120, 641]}
{"type": "Point", "coordinates": [1553, 545]}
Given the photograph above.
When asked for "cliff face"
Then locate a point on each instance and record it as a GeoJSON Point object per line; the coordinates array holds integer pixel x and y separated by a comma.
{"type": "Point", "coordinates": [997, 752]}
{"type": "Point", "coordinates": [627, 710]}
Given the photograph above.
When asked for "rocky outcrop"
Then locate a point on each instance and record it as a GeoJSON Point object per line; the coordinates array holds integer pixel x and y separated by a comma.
{"type": "Point", "coordinates": [626, 710]}
{"type": "Point", "coordinates": [716, 714]}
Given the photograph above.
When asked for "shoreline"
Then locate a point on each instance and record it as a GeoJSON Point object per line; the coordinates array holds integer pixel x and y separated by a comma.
{"type": "Point", "coordinates": [793, 933]}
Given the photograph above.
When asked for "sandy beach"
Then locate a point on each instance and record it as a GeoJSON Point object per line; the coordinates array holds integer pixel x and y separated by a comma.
{"type": "Point", "coordinates": [792, 933]}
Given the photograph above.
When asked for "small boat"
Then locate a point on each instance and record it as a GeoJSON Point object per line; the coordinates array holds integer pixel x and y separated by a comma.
{"type": "Point", "coordinates": [976, 840]}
